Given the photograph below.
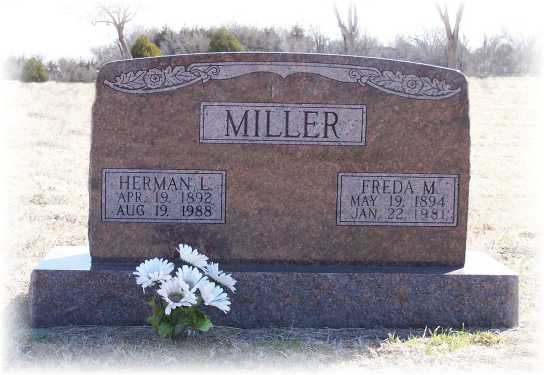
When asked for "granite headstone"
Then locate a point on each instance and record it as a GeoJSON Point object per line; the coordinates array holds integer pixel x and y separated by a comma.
{"type": "Point", "coordinates": [280, 159]}
{"type": "Point", "coordinates": [334, 188]}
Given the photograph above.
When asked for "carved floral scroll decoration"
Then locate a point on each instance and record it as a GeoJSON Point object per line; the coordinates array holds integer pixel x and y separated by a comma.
{"type": "Point", "coordinates": [176, 77]}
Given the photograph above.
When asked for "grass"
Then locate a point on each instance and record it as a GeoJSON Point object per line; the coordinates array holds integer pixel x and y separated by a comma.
{"type": "Point", "coordinates": [39, 335]}
{"type": "Point", "coordinates": [286, 344]}
{"type": "Point", "coordinates": [447, 339]}
{"type": "Point", "coordinates": [46, 133]}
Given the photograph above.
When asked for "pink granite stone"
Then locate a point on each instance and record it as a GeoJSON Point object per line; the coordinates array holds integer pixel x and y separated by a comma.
{"type": "Point", "coordinates": [277, 196]}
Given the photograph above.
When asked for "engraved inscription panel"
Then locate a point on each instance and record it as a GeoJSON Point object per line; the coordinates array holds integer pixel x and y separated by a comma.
{"type": "Point", "coordinates": [283, 123]}
{"type": "Point", "coordinates": [397, 199]}
{"type": "Point", "coordinates": [163, 196]}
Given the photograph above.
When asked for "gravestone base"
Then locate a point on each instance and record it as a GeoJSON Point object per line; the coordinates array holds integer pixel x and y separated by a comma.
{"type": "Point", "coordinates": [66, 289]}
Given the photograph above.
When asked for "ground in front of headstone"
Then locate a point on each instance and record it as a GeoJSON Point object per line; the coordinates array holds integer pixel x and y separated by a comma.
{"type": "Point", "coordinates": [49, 174]}
{"type": "Point", "coordinates": [232, 348]}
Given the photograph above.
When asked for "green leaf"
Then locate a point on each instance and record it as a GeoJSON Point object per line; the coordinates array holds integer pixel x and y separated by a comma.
{"type": "Point", "coordinates": [154, 320]}
{"type": "Point", "coordinates": [186, 320]}
{"type": "Point", "coordinates": [189, 317]}
{"type": "Point", "coordinates": [159, 310]}
{"type": "Point", "coordinates": [177, 313]}
{"type": "Point", "coordinates": [165, 330]}
{"type": "Point", "coordinates": [197, 314]}
{"type": "Point", "coordinates": [196, 319]}
{"type": "Point", "coordinates": [203, 324]}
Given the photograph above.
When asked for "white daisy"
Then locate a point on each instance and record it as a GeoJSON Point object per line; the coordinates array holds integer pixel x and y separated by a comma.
{"type": "Point", "coordinates": [192, 256]}
{"type": "Point", "coordinates": [214, 295]}
{"type": "Point", "coordinates": [191, 276]}
{"type": "Point", "coordinates": [212, 270]}
{"type": "Point", "coordinates": [153, 271]}
{"type": "Point", "coordinates": [176, 293]}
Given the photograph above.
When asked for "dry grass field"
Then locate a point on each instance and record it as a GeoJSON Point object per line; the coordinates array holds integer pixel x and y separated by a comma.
{"type": "Point", "coordinates": [46, 131]}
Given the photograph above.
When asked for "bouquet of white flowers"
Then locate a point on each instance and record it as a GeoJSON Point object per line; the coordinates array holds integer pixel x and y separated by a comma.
{"type": "Point", "coordinates": [177, 300]}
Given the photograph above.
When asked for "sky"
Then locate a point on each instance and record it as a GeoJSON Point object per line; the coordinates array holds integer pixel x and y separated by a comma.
{"type": "Point", "coordinates": [63, 28]}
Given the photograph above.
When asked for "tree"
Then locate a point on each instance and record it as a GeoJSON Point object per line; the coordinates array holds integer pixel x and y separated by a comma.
{"type": "Point", "coordinates": [118, 16]}
{"type": "Point", "coordinates": [34, 71]}
{"type": "Point", "coordinates": [224, 40]}
{"type": "Point", "coordinates": [143, 47]}
{"type": "Point", "coordinates": [162, 36]}
{"type": "Point", "coordinates": [259, 39]}
{"type": "Point", "coordinates": [452, 35]}
{"type": "Point", "coordinates": [427, 47]}
{"type": "Point", "coordinates": [296, 40]}
{"type": "Point", "coordinates": [350, 31]}
{"type": "Point", "coordinates": [320, 41]}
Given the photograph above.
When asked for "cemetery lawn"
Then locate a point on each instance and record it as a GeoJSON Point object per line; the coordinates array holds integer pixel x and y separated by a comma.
{"type": "Point", "coordinates": [46, 156]}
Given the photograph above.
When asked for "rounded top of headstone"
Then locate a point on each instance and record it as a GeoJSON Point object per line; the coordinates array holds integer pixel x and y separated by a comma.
{"type": "Point", "coordinates": [167, 73]}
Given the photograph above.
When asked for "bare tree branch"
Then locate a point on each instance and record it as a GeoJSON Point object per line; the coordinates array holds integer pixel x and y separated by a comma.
{"type": "Point", "coordinates": [350, 33]}
{"type": "Point", "coordinates": [452, 36]}
{"type": "Point", "coordinates": [458, 18]}
{"type": "Point", "coordinates": [354, 26]}
{"type": "Point", "coordinates": [319, 40]}
{"type": "Point", "coordinates": [117, 16]}
{"type": "Point", "coordinates": [444, 16]}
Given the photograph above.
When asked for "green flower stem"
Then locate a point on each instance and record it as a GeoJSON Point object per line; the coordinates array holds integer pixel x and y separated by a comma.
{"type": "Point", "coordinates": [180, 321]}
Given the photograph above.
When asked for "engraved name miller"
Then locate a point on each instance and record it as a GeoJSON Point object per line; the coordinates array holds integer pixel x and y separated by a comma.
{"type": "Point", "coordinates": [283, 123]}
{"type": "Point", "coordinates": [144, 195]}
{"type": "Point", "coordinates": [397, 199]}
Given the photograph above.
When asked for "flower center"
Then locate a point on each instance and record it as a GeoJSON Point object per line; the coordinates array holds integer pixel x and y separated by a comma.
{"type": "Point", "coordinates": [175, 297]}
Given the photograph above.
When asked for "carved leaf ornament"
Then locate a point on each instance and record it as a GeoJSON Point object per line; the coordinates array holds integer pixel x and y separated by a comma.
{"type": "Point", "coordinates": [176, 77]}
